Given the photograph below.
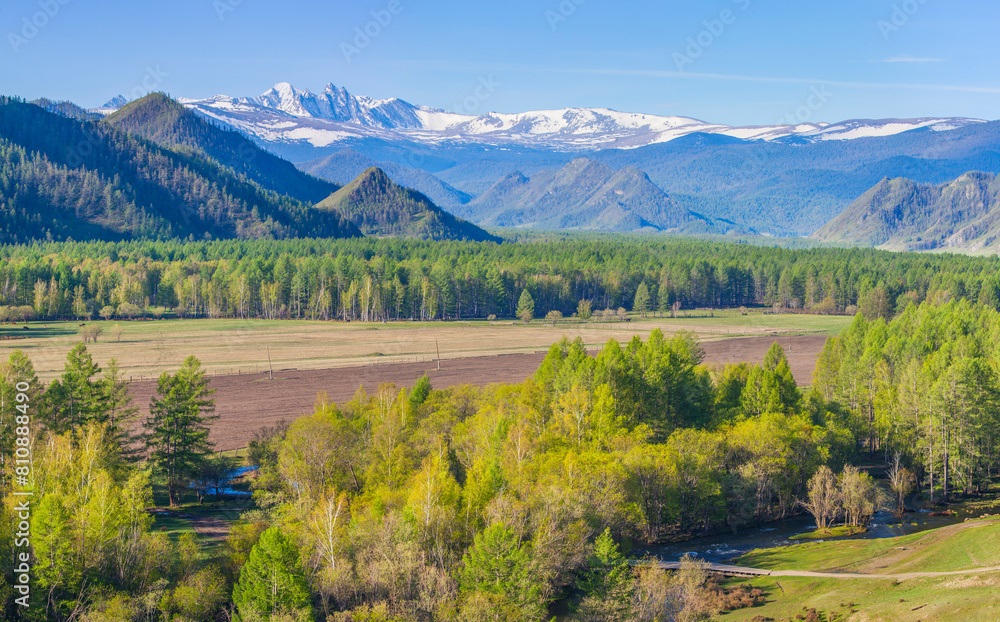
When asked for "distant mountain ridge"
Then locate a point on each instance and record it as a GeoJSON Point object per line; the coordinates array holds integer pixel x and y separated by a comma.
{"type": "Point", "coordinates": [381, 207]}
{"type": "Point", "coordinates": [585, 195]}
{"type": "Point", "coordinates": [287, 114]}
{"type": "Point", "coordinates": [900, 214]}
{"type": "Point", "coordinates": [791, 181]}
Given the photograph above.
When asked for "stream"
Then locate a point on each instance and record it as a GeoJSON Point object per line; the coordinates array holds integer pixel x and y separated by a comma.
{"type": "Point", "coordinates": [723, 548]}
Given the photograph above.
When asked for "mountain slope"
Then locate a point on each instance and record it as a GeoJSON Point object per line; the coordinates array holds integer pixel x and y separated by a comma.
{"type": "Point", "coordinates": [171, 125]}
{"type": "Point", "coordinates": [584, 194]}
{"type": "Point", "coordinates": [64, 178]}
{"type": "Point", "coordinates": [900, 214]}
{"type": "Point", "coordinates": [379, 206]}
{"type": "Point", "coordinates": [343, 166]}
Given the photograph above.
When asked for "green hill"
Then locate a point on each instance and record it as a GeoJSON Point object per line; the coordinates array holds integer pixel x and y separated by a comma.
{"type": "Point", "coordinates": [901, 214]}
{"type": "Point", "coordinates": [63, 178]}
{"type": "Point", "coordinates": [169, 124]}
{"type": "Point", "coordinates": [379, 206]}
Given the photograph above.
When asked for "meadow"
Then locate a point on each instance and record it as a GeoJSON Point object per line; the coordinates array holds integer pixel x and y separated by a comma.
{"type": "Point", "coordinates": [144, 349]}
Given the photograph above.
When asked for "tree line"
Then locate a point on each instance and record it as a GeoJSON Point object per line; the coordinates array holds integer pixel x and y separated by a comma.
{"type": "Point", "coordinates": [924, 386]}
{"type": "Point", "coordinates": [391, 279]}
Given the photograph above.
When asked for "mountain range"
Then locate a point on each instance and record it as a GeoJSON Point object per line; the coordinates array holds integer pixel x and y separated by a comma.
{"type": "Point", "coordinates": [779, 180]}
{"type": "Point", "coordinates": [64, 178]}
{"type": "Point", "coordinates": [285, 113]}
{"type": "Point", "coordinates": [154, 169]}
{"type": "Point", "coordinates": [584, 169]}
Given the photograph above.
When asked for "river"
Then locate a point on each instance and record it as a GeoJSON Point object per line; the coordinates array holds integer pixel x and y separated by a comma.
{"type": "Point", "coordinates": [724, 548]}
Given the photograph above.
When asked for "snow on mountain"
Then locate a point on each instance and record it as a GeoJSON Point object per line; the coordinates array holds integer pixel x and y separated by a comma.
{"type": "Point", "coordinates": [111, 105]}
{"type": "Point", "coordinates": [288, 115]}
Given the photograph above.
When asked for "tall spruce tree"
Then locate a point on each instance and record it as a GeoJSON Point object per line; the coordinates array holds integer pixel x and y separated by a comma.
{"type": "Point", "coordinates": [75, 397]}
{"type": "Point", "coordinates": [526, 306]}
{"type": "Point", "coordinates": [177, 427]}
{"type": "Point", "coordinates": [118, 411]}
{"type": "Point", "coordinates": [272, 581]}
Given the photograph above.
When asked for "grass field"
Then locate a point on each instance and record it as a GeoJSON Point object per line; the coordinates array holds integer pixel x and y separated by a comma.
{"type": "Point", "coordinates": [971, 597]}
{"type": "Point", "coordinates": [147, 348]}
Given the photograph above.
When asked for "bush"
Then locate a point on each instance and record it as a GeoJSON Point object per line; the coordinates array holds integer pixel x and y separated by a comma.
{"type": "Point", "coordinates": [91, 332]}
{"type": "Point", "coordinates": [200, 596]}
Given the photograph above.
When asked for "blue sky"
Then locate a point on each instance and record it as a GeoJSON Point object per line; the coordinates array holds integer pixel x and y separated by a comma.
{"type": "Point", "coordinates": [728, 61]}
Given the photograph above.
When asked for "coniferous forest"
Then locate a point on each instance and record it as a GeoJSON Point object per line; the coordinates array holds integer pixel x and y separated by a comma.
{"type": "Point", "coordinates": [393, 279]}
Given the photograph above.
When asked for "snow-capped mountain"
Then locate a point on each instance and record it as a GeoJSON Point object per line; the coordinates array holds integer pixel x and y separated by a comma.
{"type": "Point", "coordinates": [288, 115]}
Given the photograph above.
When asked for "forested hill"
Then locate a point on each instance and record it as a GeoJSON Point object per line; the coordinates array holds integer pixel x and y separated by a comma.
{"type": "Point", "coordinates": [379, 206]}
{"type": "Point", "coordinates": [900, 214]}
{"type": "Point", "coordinates": [63, 178]}
{"type": "Point", "coordinates": [171, 125]}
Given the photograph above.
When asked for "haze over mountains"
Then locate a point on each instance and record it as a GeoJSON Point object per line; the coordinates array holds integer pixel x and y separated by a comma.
{"type": "Point", "coordinates": [777, 180]}
{"type": "Point", "coordinates": [584, 194]}
{"type": "Point", "coordinates": [579, 169]}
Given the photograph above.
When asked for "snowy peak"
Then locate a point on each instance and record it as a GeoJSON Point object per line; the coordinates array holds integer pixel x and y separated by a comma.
{"type": "Point", "coordinates": [111, 105]}
{"type": "Point", "coordinates": [287, 115]}
{"type": "Point", "coordinates": [115, 102]}
{"type": "Point", "coordinates": [336, 104]}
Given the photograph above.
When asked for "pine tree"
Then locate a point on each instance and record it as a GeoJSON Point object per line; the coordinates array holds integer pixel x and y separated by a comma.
{"type": "Point", "coordinates": [607, 583]}
{"type": "Point", "coordinates": [641, 303]}
{"type": "Point", "coordinates": [75, 397]}
{"type": "Point", "coordinates": [497, 579]}
{"type": "Point", "coordinates": [526, 307]}
{"type": "Point", "coordinates": [776, 362]}
{"type": "Point", "coordinates": [272, 581]}
{"type": "Point", "coordinates": [177, 427]}
{"type": "Point", "coordinates": [118, 411]}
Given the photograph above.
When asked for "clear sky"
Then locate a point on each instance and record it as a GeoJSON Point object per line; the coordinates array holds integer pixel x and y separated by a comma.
{"type": "Point", "coordinates": [728, 61]}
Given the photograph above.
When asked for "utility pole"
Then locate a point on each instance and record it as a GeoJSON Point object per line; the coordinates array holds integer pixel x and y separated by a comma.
{"type": "Point", "coordinates": [270, 370]}
{"type": "Point", "coordinates": [436, 347]}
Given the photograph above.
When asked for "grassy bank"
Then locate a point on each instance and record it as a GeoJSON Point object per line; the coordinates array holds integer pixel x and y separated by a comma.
{"type": "Point", "coordinates": [889, 595]}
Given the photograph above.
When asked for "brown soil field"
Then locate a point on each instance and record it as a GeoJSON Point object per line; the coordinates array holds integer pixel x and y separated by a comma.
{"type": "Point", "coordinates": [247, 402]}
{"type": "Point", "coordinates": [145, 349]}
